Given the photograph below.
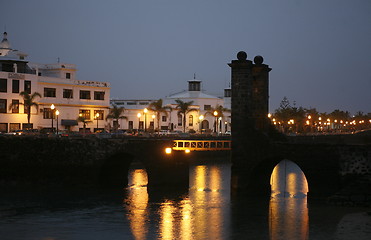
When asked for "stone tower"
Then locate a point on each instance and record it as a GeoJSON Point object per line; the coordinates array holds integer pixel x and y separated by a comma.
{"type": "Point", "coordinates": [249, 93]}
{"type": "Point", "coordinates": [249, 106]}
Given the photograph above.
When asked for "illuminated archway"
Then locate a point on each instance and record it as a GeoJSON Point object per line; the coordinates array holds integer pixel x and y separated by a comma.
{"type": "Point", "coordinates": [288, 180]}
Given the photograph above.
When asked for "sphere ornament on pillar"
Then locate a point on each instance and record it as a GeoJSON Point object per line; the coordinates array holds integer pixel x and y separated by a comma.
{"type": "Point", "coordinates": [258, 60]}
{"type": "Point", "coordinates": [242, 56]}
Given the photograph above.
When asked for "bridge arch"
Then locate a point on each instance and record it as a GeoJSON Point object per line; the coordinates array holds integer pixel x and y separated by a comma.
{"type": "Point", "coordinates": [259, 182]}
{"type": "Point", "coordinates": [115, 169]}
{"type": "Point", "coordinates": [288, 180]}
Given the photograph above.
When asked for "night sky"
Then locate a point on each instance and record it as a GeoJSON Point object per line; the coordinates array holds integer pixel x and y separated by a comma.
{"type": "Point", "coordinates": [319, 50]}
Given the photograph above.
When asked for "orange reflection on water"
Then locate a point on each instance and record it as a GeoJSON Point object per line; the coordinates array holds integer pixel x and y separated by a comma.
{"type": "Point", "coordinates": [167, 212]}
{"type": "Point", "coordinates": [201, 215]}
{"type": "Point", "coordinates": [138, 203]}
{"type": "Point", "coordinates": [288, 219]}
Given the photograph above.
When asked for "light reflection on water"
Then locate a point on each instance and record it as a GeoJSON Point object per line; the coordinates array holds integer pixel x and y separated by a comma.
{"type": "Point", "coordinates": [206, 212]}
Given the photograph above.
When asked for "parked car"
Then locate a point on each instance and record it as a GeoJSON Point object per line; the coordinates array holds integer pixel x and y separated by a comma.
{"type": "Point", "coordinates": [14, 133]}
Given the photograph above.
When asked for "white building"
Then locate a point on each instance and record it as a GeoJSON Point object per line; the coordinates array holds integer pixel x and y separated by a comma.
{"type": "Point", "coordinates": [201, 118]}
{"type": "Point", "coordinates": [57, 85]}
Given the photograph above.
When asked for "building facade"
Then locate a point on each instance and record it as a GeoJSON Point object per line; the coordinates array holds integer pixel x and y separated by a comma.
{"type": "Point", "coordinates": [200, 119]}
{"type": "Point", "coordinates": [57, 85]}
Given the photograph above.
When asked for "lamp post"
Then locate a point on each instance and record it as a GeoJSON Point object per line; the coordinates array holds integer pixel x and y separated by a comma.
{"type": "Point", "coordinates": [52, 107]}
{"type": "Point", "coordinates": [201, 118]}
{"type": "Point", "coordinates": [97, 118]}
{"type": "Point", "coordinates": [139, 115]}
{"type": "Point", "coordinates": [145, 119]}
{"type": "Point", "coordinates": [57, 114]}
{"type": "Point", "coordinates": [153, 119]}
{"type": "Point", "coordinates": [216, 121]}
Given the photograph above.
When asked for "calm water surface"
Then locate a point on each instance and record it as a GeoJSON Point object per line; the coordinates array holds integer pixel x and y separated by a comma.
{"type": "Point", "coordinates": [207, 212]}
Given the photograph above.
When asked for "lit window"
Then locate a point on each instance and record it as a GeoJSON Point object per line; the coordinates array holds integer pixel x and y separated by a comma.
{"type": "Point", "coordinates": [84, 114]}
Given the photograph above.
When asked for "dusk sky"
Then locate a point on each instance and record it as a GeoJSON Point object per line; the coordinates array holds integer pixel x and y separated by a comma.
{"type": "Point", "coordinates": [319, 50]}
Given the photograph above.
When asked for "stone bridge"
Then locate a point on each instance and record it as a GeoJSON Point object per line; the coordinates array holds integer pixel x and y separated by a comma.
{"type": "Point", "coordinates": [330, 163]}
{"type": "Point", "coordinates": [327, 162]}
{"type": "Point", "coordinates": [89, 161]}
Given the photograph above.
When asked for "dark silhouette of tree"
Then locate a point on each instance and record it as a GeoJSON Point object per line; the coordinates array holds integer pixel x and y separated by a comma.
{"type": "Point", "coordinates": [183, 109]}
{"type": "Point", "coordinates": [28, 103]}
{"type": "Point", "coordinates": [159, 109]}
{"type": "Point", "coordinates": [116, 113]}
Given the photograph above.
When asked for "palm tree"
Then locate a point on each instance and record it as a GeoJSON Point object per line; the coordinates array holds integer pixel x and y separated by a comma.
{"type": "Point", "coordinates": [219, 110]}
{"type": "Point", "coordinates": [158, 109]}
{"type": "Point", "coordinates": [184, 108]}
{"type": "Point", "coordinates": [115, 113]}
{"type": "Point", "coordinates": [84, 122]}
{"type": "Point", "coordinates": [28, 102]}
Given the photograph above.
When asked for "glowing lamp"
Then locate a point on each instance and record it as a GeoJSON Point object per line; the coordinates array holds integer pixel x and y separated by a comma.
{"type": "Point", "coordinates": [168, 150]}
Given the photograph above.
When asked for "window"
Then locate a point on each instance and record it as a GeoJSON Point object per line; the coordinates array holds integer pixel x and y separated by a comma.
{"type": "Point", "coordinates": [15, 86]}
{"type": "Point", "coordinates": [27, 86]}
{"type": "Point", "coordinates": [68, 75]}
{"type": "Point", "coordinates": [190, 120]}
{"type": "Point", "coordinates": [49, 92]}
{"type": "Point", "coordinates": [67, 93]}
{"type": "Point", "coordinates": [47, 113]}
{"type": "Point", "coordinates": [3, 127]}
{"type": "Point", "coordinates": [207, 107]}
{"type": "Point", "coordinates": [101, 115]}
{"type": "Point", "coordinates": [98, 95]}
{"type": "Point", "coordinates": [143, 103]}
{"type": "Point", "coordinates": [180, 120]}
{"type": "Point", "coordinates": [14, 126]}
{"type": "Point", "coordinates": [15, 106]}
{"type": "Point", "coordinates": [227, 92]}
{"type": "Point", "coordinates": [131, 125]}
{"type": "Point", "coordinates": [84, 94]}
{"type": "Point", "coordinates": [3, 85]}
{"type": "Point", "coordinates": [85, 114]}
{"type": "Point", "coordinates": [164, 118]}
{"type": "Point", "coordinates": [132, 103]}
{"type": "Point", "coordinates": [2, 105]}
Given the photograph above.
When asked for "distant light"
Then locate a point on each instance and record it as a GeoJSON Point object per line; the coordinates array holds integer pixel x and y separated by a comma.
{"type": "Point", "coordinates": [269, 115]}
{"type": "Point", "coordinates": [168, 150]}
{"type": "Point", "coordinates": [187, 151]}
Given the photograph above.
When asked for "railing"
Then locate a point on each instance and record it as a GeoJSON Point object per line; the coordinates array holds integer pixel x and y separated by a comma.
{"type": "Point", "coordinates": [201, 145]}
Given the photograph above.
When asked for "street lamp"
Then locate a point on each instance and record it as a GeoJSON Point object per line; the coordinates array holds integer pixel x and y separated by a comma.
{"type": "Point", "coordinates": [216, 121]}
{"type": "Point", "coordinates": [145, 119]}
{"type": "Point", "coordinates": [139, 115]}
{"type": "Point", "coordinates": [97, 118]}
{"type": "Point", "coordinates": [57, 114]}
{"type": "Point", "coordinates": [201, 118]}
{"type": "Point", "coordinates": [52, 107]}
{"type": "Point", "coordinates": [153, 119]}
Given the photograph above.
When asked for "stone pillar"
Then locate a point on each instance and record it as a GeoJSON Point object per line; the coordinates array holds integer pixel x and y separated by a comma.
{"type": "Point", "coordinates": [249, 113]}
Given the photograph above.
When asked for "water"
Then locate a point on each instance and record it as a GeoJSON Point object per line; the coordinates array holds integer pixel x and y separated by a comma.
{"type": "Point", "coordinates": [207, 212]}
